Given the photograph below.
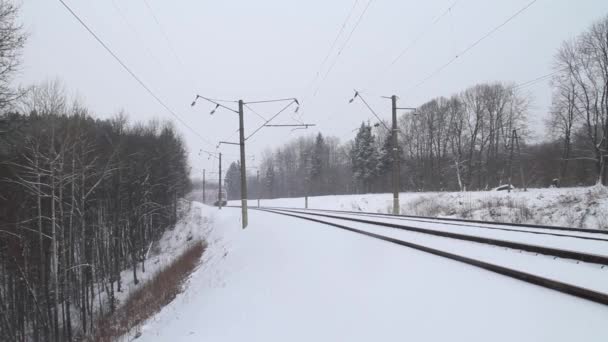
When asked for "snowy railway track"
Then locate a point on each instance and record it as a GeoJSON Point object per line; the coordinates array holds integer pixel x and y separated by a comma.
{"type": "Point", "coordinates": [581, 233]}
{"type": "Point", "coordinates": [585, 252]}
{"type": "Point", "coordinates": [583, 280]}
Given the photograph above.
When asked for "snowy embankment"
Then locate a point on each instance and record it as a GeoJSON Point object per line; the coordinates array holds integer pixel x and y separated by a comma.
{"type": "Point", "coordinates": [585, 207]}
{"type": "Point", "coordinates": [193, 225]}
{"type": "Point", "coordinates": [285, 279]}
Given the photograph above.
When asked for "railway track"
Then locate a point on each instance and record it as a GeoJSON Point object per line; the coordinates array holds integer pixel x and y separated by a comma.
{"type": "Point", "coordinates": [584, 234]}
{"type": "Point", "coordinates": [529, 277]}
{"type": "Point", "coordinates": [533, 248]}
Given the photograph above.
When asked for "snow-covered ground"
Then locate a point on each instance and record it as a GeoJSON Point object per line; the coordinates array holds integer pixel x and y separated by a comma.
{"type": "Point", "coordinates": [285, 279]}
{"type": "Point", "coordinates": [195, 224]}
{"type": "Point", "coordinates": [585, 207]}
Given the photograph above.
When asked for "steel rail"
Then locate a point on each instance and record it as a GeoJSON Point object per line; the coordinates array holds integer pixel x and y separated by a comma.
{"type": "Point", "coordinates": [430, 221]}
{"type": "Point", "coordinates": [525, 225]}
{"type": "Point", "coordinates": [556, 285]}
{"type": "Point", "coordinates": [561, 253]}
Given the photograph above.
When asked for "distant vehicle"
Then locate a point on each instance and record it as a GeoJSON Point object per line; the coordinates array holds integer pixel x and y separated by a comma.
{"type": "Point", "coordinates": [216, 203]}
{"type": "Point", "coordinates": [504, 187]}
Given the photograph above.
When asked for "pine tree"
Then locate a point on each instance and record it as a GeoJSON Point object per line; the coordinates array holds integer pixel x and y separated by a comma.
{"type": "Point", "coordinates": [317, 164]}
{"type": "Point", "coordinates": [270, 180]}
{"type": "Point", "coordinates": [233, 181]}
{"type": "Point", "coordinates": [386, 160]}
{"type": "Point", "coordinates": [364, 156]}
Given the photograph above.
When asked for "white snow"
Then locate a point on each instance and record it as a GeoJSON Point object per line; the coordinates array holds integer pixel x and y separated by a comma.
{"type": "Point", "coordinates": [285, 279]}
{"type": "Point", "coordinates": [571, 207]}
{"type": "Point", "coordinates": [588, 275]}
{"type": "Point", "coordinates": [193, 225]}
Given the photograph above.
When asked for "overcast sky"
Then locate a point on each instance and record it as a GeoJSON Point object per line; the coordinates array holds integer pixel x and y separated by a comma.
{"type": "Point", "coordinates": [266, 49]}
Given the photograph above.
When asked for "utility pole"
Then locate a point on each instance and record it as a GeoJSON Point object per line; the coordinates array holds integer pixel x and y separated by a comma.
{"type": "Point", "coordinates": [219, 188]}
{"type": "Point", "coordinates": [307, 181]}
{"type": "Point", "coordinates": [242, 138]}
{"type": "Point", "coordinates": [243, 167]}
{"type": "Point", "coordinates": [396, 161]}
{"type": "Point", "coordinates": [521, 163]}
{"type": "Point", "coordinates": [395, 142]}
{"type": "Point", "coordinates": [511, 159]}
{"type": "Point", "coordinates": [258, 187]}
{"type": "Point", "coordinates": [203, 186]}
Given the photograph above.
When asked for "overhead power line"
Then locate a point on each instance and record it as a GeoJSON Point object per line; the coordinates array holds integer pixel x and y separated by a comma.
{"type": "Point", "coordinates": [333, 45]}
{"type": "Point", "coordinates": [131, 73]}
{"type": "Point", "coordinates": [423, 33]}
{"type": "Point", "coordinates": [137, 35]}
{"type": "Point", "coordinates": [473, 45]}
{"type": "Point", "coordinates": [170, 44]}
{"type": "Point", "coordinates": [271, 118]}
{"type": "Point", "coordinates": [348, 38]}
{"type": "Point", "coordinates": [536, 80]}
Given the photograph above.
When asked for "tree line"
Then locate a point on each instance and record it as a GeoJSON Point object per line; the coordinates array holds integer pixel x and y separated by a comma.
{"type": "Point", "coordinates": [82, 200]}
{"type": "Point", "coordinates": [477, 139]}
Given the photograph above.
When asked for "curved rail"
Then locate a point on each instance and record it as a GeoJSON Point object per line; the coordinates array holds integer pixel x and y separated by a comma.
{"type": "Point", "coordinates": [561, 253]}
{"type": "Point", "coordinates": [461, 224]}
{"type": "Point", "coordinates": [577, 291]}
{"type": "Point", "coordinates": [524, 225]}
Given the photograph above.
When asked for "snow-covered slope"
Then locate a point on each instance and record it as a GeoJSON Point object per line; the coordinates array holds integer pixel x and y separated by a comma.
{"type": "Point", "coordinates": [284, 279]}
{"type": "Point", "coordinates": [194, 224]}
{"type": "Point", "coordinates": [585, 207]}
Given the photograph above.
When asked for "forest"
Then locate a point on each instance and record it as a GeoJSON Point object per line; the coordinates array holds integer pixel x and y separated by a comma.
{"type": "Point", "coordinates": [477, 139]}
{"type": "Point", "coordinates": [82, 200]}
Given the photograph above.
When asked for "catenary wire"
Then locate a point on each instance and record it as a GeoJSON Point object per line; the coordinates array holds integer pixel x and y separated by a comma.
{"type": "Point", "coordinates": [348, 38]}
{"type": "Point", "coordinates": [473, 45]}
{"type": "Point", "coordinates": [170, 44]}
{"type": "Point", "coordinates": [333, 44]}
{"type": "Point", "coordinates": [131, 73]}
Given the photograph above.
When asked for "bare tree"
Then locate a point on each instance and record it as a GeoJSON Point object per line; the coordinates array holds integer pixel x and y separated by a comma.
{"type": "Point", "coordinates": [12, 40]}
{"type": "Point", "coordinates": [582, 86]}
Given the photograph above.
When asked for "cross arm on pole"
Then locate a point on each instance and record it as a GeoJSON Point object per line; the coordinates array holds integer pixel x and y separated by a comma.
{"type": "Point", "coordinates": [217, 104]}
{"type": "Point", "coordinates": [228, 143]}
{"type": "Point", "coordinates": [292, 125]}
{"type": "Point", "coordinates": [358, 94]}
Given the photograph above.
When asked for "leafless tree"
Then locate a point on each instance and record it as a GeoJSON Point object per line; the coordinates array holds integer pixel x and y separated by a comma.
{"type": "Point", "coordinates": [12, 40]}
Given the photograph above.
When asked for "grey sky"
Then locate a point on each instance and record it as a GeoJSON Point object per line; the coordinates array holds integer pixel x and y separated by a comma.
{"type": "Point", "coordinates": [273, 48]}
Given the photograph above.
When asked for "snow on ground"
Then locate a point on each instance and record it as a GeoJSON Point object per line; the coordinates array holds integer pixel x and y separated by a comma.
{"type": "Point", "coordinates": [194, 224]}
{"type": "Point", "coordinates": [284, 279]}
{"type": "Point", "coordinates": [585, 207]}
{"type": "Point", "coordinates": [588, 275]}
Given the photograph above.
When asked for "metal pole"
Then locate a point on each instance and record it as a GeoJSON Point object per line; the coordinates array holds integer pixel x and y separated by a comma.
{"type": "Point", "coordinates": [203, 186]}
{"type": "Point", "coordinates": [243, 167]}
{"type": "Point", "coordinates": [219, 188]}
{"type": "Point", "coordinates": [258, 187]}
{"type": "Point", "coordinates": [396, 166]}
{"type": "Point", "coordinates": [307, 163]}
{"type": "Point", "coordinates": [521, 163]}
{"type": "Point", "coordinates": [511, 159]}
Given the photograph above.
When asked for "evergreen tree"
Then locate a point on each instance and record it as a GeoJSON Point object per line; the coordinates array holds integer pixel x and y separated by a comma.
{"type": "Point", "coordinates": [318, 159]}
{"type": "Point", "coordinates": [364, 156]}
{"type": "Point", "coordinates": [233, 181]}
{"type": "Point", "coordinates": [270, 180]}
{"type": "Point", "coordinates": [386, 161]}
